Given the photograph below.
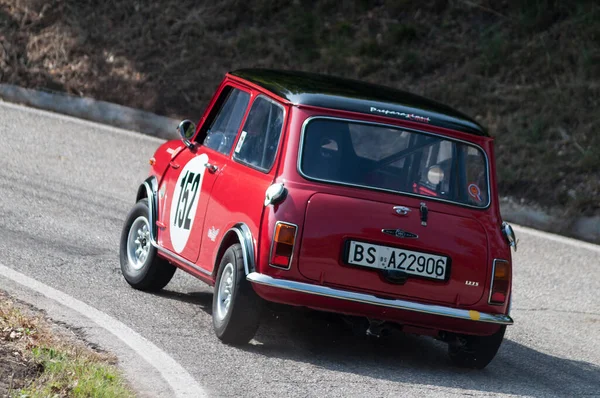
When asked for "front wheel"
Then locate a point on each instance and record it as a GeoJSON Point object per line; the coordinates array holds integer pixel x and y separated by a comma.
{"type": "Point", "coordinates": [236, 307]}
{"type": "Point", "coordinates": [140, 265]}
{"type": "Point", "coordinates": [475, 352]}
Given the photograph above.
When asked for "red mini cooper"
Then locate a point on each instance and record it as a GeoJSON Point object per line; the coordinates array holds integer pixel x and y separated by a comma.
{"type": "Point", "coordinates": [332, 194]}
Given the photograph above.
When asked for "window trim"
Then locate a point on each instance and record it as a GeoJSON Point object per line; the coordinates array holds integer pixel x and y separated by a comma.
{"type": "Point", "coordinates": [240, 161]}
{"type": "Point", "coordinates": [225, 87]}
{"type": "Point", "coordinates": [412, 130]}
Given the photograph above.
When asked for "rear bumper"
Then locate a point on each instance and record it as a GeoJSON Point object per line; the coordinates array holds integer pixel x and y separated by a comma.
{"type": "Point", "coordinates": [402, 305]}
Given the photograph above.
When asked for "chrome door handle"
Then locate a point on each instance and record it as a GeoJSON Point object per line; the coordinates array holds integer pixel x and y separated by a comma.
{"type": "Point", "coordinates": [211, 167]}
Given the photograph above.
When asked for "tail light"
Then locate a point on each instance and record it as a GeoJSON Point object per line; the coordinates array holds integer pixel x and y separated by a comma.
{"type": "Point", "coordinates": [500, 282]}
{"type": "Point", "coordinates": [282, 247]}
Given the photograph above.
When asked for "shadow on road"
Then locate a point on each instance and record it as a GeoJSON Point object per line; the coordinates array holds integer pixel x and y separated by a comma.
{"type": "Point", "coordinates": [202, 299]}
{"type": "Point", "coordinates": [326, 341]}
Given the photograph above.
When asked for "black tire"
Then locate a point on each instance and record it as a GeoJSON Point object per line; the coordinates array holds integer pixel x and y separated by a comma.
{"type": "Point", "coordinates": [238, 324]}
{"type": "Point", "coordinates": [475, 352]}
{"type": "Point", "coordinates": [155, 272]}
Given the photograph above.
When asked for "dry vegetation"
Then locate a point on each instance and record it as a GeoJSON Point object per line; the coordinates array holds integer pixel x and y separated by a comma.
{"type": "Point", "coordinates": [41, 360]}
{"type": "Point", "coordinates": [17, 369]}
{"type": "Point", "coordinates": [529, 70]}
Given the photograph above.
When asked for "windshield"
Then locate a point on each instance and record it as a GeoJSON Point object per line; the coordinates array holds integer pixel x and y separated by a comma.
{"type": "Point", "coordinates": [393, 159]}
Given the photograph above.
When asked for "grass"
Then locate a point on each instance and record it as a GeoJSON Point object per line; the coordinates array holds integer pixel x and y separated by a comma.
{"type": "Point", "coordinates": [495, 48]}
{"type": "Point", "coordinates": [402, 33]}
{"type": "Point", "coordinates": [73, 373]}
{"type": "Point", "coordinates": [62, 366]}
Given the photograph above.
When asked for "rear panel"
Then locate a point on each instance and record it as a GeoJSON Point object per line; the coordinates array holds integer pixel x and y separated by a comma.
{"type": "Point", "coordinates": [330, 216]}
{"type": "Point", "coordinates": [334, 225]}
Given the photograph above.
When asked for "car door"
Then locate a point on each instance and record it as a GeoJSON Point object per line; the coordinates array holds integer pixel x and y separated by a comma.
{"type": "Point", "coordinates": [239, 194]}
{"type": "Point", "coordinates": [186, 187]}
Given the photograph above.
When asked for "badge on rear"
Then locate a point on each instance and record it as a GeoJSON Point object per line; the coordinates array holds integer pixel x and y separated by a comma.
{"type": "Point", "coordinates": [398, 233]}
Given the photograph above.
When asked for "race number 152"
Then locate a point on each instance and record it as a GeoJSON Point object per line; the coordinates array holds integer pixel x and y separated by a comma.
{"type": "Point", "coordinates": [189, 190]}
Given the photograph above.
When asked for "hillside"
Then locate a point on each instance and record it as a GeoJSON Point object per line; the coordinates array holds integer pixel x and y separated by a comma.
{"type": "Point", "coordinates": [528, 70]}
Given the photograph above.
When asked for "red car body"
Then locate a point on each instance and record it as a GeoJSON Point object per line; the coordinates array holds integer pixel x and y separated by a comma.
{"type": "Point", "coordinates": [465, 237]}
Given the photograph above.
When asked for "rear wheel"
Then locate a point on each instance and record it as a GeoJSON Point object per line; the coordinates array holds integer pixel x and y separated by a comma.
{"type": "Point", "coordinates": [140, 265]}
{"type": "Point", "coordinates": [236, 307]}
{"type": "Point", "coordinates": [475, 352]}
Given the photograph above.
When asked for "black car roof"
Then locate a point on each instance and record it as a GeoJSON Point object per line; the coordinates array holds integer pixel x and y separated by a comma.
{"type": "Point", "coordinates": [302, 88]}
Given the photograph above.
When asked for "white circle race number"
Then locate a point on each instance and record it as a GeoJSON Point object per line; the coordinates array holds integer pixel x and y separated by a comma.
{"type": "Point", "coordinates": [185, 201]}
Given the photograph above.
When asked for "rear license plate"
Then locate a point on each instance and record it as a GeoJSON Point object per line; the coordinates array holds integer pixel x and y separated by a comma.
{"type": "Point", "coordinates": [391, 258]}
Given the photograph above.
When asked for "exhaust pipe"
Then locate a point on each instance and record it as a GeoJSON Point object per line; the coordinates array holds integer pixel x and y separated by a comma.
{"type": "Point", "coordinates": [376, 328]}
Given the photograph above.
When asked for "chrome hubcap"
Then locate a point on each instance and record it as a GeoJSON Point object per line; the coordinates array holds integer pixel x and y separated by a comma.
{"type": "Point", "coordinates": [225, 292]}
{"type": "Point", "coordinates": [138, 243]}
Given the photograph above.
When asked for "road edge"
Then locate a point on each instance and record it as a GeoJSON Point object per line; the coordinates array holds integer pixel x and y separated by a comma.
{"type": "Point", "coordinates": [176, 376]}
{"type": "Point", "coordinates": [91, 109]}
{"type": "Point", "coordinates": [584, 228]}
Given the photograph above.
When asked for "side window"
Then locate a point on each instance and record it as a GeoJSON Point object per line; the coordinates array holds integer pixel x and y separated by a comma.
{"type": "Point", "coordinates": [225, 125]}
{"type": "Point", "coordinates": [259, 140]}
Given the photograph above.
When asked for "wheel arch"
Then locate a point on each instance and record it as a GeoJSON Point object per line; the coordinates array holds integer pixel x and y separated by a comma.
{"type": "Point", "coordinates": [239, 233]}
{"type": "Point", "coordinates": [142, 193]}
{"type": "Point", "coordinates": [147, 190]}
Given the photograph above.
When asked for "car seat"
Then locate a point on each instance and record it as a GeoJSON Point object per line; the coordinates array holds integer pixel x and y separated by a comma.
{"type": "Point", "coordinates": [326, 148]}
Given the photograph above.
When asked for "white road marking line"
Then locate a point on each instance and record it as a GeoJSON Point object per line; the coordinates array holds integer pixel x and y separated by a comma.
{"type": "Point", "coordinates": [556, 238]}
{"type": "Point", "coordinates": [182, 383]}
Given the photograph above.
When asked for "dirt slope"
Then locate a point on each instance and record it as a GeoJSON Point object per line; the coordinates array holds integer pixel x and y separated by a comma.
{"type": "Point", "coordinates": [529, 70]}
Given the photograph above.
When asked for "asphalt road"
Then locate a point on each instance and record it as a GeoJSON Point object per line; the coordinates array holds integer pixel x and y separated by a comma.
{"type": "Point", "coordinates": [66, 186]}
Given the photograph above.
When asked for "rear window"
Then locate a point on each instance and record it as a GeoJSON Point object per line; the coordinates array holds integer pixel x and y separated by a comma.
{"type": "Point", "coordinates": [393, 159]}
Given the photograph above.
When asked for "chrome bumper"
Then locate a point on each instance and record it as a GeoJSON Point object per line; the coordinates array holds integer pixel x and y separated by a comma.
{"type": "Point", "coordinates": [438, 310]}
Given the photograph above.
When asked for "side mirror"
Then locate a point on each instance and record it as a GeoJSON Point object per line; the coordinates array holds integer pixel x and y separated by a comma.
{"type": "Point", "coordinates": [509, 234]}
{"type": "Point", "coordinates": [275, 194]}
{"type": "Point", "coordinates": [186, 130]}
